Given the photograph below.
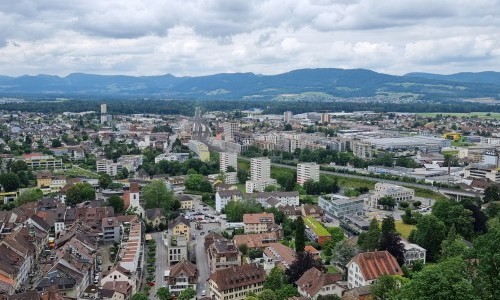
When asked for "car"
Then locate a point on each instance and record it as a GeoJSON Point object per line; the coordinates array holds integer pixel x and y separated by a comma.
{"type": "Point", "coordinates": [204, 293]}
{"type": "Point", "coordinates": [202, 233]}
{"type": "Point", "coordinates": [151, 284]}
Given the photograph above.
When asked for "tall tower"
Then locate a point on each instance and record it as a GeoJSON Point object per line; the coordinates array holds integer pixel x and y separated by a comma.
{"type": "Point", "coordinates": [260, 168]}
{"type": "Point", "coordinates": [228, 159]}
{"type": "Point", "coordinates": [105, 118]}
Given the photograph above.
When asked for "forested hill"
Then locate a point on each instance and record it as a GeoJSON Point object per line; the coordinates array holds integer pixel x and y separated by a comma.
{"type": "Point", "coordinates": [304, 84]}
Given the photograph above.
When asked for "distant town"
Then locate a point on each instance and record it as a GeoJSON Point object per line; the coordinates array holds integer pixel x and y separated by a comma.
{"type": "Point", "coordinates": [243, 205]}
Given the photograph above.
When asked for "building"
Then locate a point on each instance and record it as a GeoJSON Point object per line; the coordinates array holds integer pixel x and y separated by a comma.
{"type": "Point", "coordinates": [108, 166]}
{"type": "Point", "coordinates": [365, 268]}
{"type": "Point", "coordinates": [314, 283]}
{"type": "Point", "coordinates": [132, 252]}
{"type": "Point", "coordinates": [111, 230]}
{"type": "Point", "coordinates": [413, 252]}
{"type": "Point", "coordinates": [116, 290]}
{"type": "Point", "coordinates": [236, 282]}
{"type": "Point", "coordinates": [482, 171]}
{"type": "Point", "coordinates": [229, 160]}
{"type": "Point", "coordinates": [315, 231]}
{"type": "Point", "coordinates": [131, 198]}
{"type": "Point", "coordinates": [325, 118]}
{"type": "Point", "coordinates": [278, 255]}
{"type": "Point", "coordinates": [337, 206]}
{"type": "Point", "coordinates": [252, 186]}
{"type": "Point", "coordinates": [179, 226]}
{"type": "Point", "coordinates": [223, 254]}
{"type": "Point", "coordinates": [118, 274]}
{"type": "Point", "coordinates": [399, 193]}
{"type": "Point", "coordinates": [199, 149]}
{"type": "Point", "coordinates": [186, 202]}
{"type": "Point", "coordinates": [260, 168]}
{"type": "Point", "coordinates": [42, 162]}
{"type": "Point", "coordinates": [257, 223]}
{"type": "Point", "coordinates": [176, 248]}
{"type": "Point", "coordinates": [256, 240]}
{"type": "Point", "coordinates": [223, 197]}
{"type": "Point", "coordinates": [287, 116]}
{"type": "Point", "coordinates": [181, 276]}
{"type": "Point", "coordinates": [307, 171]}
{"type": "Point", "coordinates": [276, 199]}
{"type": "Point", "coordinates": [230, 128]}
{"type": "Point", "coordinates": [155, 216]}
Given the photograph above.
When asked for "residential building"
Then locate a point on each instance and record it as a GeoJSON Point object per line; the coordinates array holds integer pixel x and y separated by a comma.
{"type": "Point", "coordinates": [118, 274]}
{"type": "Point", "coordinates": [223, 254]}
{"type": "Point", "coordinates": [276, 199]}
{"type": "Point", "coordinates": [111, 230]}
{"type": "Point", "coordinates": [252, 186]}
{"type": "Point", "coordinates": [278, 255]}
{"type": "Point", "coordinates": [359, 293]}
{"type": "Point", "coordinates": [256, 240]}
{"type": "Point", "coordinates": [155, 216]}
{"type": "Point", "coordinates": [186, 202]}
{"type": "Point", "coordinates": [229, 160]}
{"type": "Point", "coordinates": [179, 226]}
{"type": "Point", "coordinates": [399, 193]}
{"type": "Point", "coordinates": [132, 252]}
{"type": "Point", "coordinates": [314, 283]}
{"type": "Point", "coordinates": [307, 171]}
{"type": "Point", "coordinates": [482, 171]}
{"type": "Point", "coordinates": [199, 149]}
{"type": "Point", "coordinates": [257, 223]}
{"type": "Point", "coordinates": [365, 268]}
{"type": "Point", "coordinates": [260, 168]}
{"type": "Point", "coordinates": [116, 290]}
{"type": "Point", "coordinates": [315, 231]}
{"type": "Point", "coordinates": [176, 248]}
{"type": "Point", "coordinates": [235, 283]}
{"type": "Point", "coordinates": [222, 198]}
{"type": "Point", "coordinates": [108, 166]}
{"type": "Point", "coordinates": [291, 212]}
{"type": "Point", "coordinates": [413, 253]}
{"type": "Point", "coordinates": [42, 162]}
{"type": "Point", "coordinates": [287, 116]}
{"type": "Point", "coordinates": [230, 128]}
{"type": "Point", "coordinates": [337, 206]}
{"type": "Point", "coordinates": [181, 276]}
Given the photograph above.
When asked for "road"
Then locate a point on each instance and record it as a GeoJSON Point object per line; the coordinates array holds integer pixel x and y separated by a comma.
{"type": "Point", "coordinates": [161, 263]}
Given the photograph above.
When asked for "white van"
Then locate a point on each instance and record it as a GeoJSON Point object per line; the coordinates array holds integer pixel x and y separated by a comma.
{"type": "Point", "coordinates": [204, 293]}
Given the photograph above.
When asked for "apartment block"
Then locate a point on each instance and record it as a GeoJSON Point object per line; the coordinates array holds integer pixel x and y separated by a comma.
{"type": "Point", "coordinates": [235, 283]}
{"type": "Point", "coordinates": [257, 223]}
{"type": "Point", "coordinates": [199, 149]}
{"type": "Point", "coordinates": [307, 171]}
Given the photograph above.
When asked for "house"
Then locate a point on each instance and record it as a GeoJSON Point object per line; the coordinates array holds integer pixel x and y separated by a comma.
{"type": "Point", "coordinates": [181, 276]}
{"type": "Point", "coordinates": [413, 252]}
{"type": "Point", "coordinates": [155, 216]}
{"type": "Point", "coordinates": [236, 282]}
{"type": "Point", "coordinates": [116, 290]}
{"type": "Point", "coordinates": [314, 283]}
{"type": "Point", "coordinates": [255, 240]}
{"type": "Point", "coordinates": [278, 255]}
{"type": "Point", "coordinates": [313, 251]}
{"type": "Point", "coordinates": [365, 268]}
{"type": "Point", "coordinates": [111, 230]}
{"type": "Point", "coordinates": [223, 254]}
{"type": "Point", "coordinates": [222, 198]}
{"type": "Point", "coordinates": [257, 223]}
{"type": "Point", "coordinates": [186, 202]}
{"type": "Point", "coordinates": [177, 246]}
{"type": "Point", "coordinates": [210, 238]}
{"type": "Point", "coordinates": [118, 274]}
{"type": "Point", "coordinates": [309, 210]}
{"type": "Point", "coordinates": [359, 293]}
{"type": "Point", "coordinates": [291, 212]}
{"type": "Point", "coordinates": [179, 226]}
{"type": "Point", "coordinates": [276, 199]}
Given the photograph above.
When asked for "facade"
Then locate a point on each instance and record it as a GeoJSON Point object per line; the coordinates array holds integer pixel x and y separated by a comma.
{"type": "Point", "coordinates": [230, 128]}
{"type": "Point", "coordinates": [222, 198]}
{"type": "Point", "coordinates": [257, 223]}
{"type": "Point", "coordinates": [276, 199]}
{"type": "Point", "coordinates": [278, 255]}
{"type": "Point", "coordinates": [399, 193]}
{"type": "Point", "coordinates": [108, 166]}
{"type": "Point", "coordinates": [260, 168]}
{"type": "Point", "coordinates": [314, 283]}
{"type": "Point", "coordinates": [236, 282]}
{"type": "Point", "coordinates": [223, 254]}
{"type": "Point", "coordinates": [229, 160]}
{"type": "Point", "coordinates": [176, 248]}
{"type": "Point", "coordinates": [111, 230]}
{"type": "Point", "coordinates": [181, 276]}
{"type": "Point", "coordinates": [42, 162]}
{"type": "Point", "coordinates": [287, 116]}
{"type": "Point", "coordinates": [199, 149]}
{"type": "Point", "coordinates": [179, 226]}
{"type": "Point", "coordinates": [413, 252]}
{"type": "Point", "coordinates": [252, 186]}
{"type": "Point", "coordinates": [336, 206]}
{"type": "Point", "coordinates": [481, 171]}
{"type": "Point", "coordinates": [132, 252]}
{"type": "Point", "coordinates": [306, 171]}
{"type": "Point", "coordinates": [365, 268]}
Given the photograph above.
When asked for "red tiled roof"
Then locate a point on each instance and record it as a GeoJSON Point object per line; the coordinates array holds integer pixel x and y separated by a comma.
{"type": "Point", "coordinates": [375, 264]}
{"type": "Point", "coordinates": [239, 276]}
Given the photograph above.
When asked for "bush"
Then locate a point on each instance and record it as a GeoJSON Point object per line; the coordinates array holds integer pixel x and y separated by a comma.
{"type": "Point", "coordinates": [417, 203]}
{"type": "Point", "coordinates": [404, 204]}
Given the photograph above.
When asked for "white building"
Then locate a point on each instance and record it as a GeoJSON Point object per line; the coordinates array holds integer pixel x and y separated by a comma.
{"type": "Point", "coordinates": [222, 198]}
{"type": "Point", "coordinates": [287, 116]}
{"type": "Point", "coordinates": [108, 166]}
{"type": "Point", "coordinates": [276, 199]}
{"type": "Point", "coordinates": [413, 252]}
{"type": "Point", "coordinates": [258, 185]}
{"type": "Point", "coordinates": [337, 206]}
{"type": "Point", "coordinates": [229, 160]}
{"type": "Point", "coordinates": [365, 268]}
{"type": "Point", "coordinates": [260, 175]}
{"type": "Point", "coordinates": [399, 193]}
{"type": "Point", "coordinates": [306, 171]}
{"type": "Point", "coordinates": [230, 128]}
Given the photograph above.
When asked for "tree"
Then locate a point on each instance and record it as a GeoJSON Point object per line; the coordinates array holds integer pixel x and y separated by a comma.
{"type": "Point", "coordinates": [117, 203]}
{"type": "Point", "coordinates": [157, 195]}
{"type": "Point", "coordinates": [454, 214]}
{"type": "Point", "coordinates": [450, 160]}
{"type": "Point", "coordinates": [198, 182]}
{"type": "Point", "coordinates": [79, 193]}
{"type": "Point", "coordinates": [56, 143]}
{"type": "Point", "coordinates": [491, 193]}
{"type": "Point", "coordinates": [163, 293]}
{"type": "Point", "coordinates": [370, 240]}
{"type": "Point", "coordinates": [487, 270]}
{"type": "Point", "coordinates": [453, 246]}
{"type": "Point", "coordinates": [328, 297]}
{"type": "Point", "coordinates": [408, 217]}
{"type": "Point", "coordinates": [9, 181]}
{"type": "Point", "coordinates": [303, 262]}
{"type": "Point", "coordinates": [287, 291]}
{"type": "Point", "coordinates": [429, 234]}
{"type": "Point", "coordinates": [342, 253]}
{"type": "Point", "coordinates": [235, 210]}
{"type": "Point", "coordinates": [492, 210]}
{"type": "Point", "coordinates": [387, 202]}
{"type": "Point", "coordinates": [267, 294]}
{"type": "Point", "coordinates": [391, 241]}
{"type": "Point", "coordinates": [243, 175]}
{"type": "Point", "coordinates": [187, 294]}
{"type": "Point", "coordinates": [450, 279]}
{"type": "Point", "coordinates": [300, 235]}
{"type": "Point", "coordinates": [337, 234]}
{"type": "Point", "coordinates": [104, 181]}
{"type": "Point", "coordinates": [17, 166]}
{"type": "Point", "coordinates": [139, 296]}
{"type": "Point", "coordinates": [30, 195]}
{"type": "Point", "coordinates": [275, 279]}
{"type": "Point", "coordinates": [384, 287]}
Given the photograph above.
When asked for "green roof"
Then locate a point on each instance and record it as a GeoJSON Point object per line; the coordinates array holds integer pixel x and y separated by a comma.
{"type": "Point", "coordinates": [315, 226]}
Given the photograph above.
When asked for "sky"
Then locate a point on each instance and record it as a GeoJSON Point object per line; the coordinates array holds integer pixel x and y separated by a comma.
{"type": "Point", "coordinates": [201, 37]}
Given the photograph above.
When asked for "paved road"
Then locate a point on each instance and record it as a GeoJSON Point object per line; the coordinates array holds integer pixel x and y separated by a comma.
{"type": "Point", "coordinates": [161, 263]}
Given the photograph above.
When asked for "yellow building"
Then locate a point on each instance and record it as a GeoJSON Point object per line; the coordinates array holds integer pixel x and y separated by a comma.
{"type": "Point", "coordinates": [453, 136]}
{"type": "Point", "coordinates": [236, 282]}
{"type": "Point", "coordinates": [7, 197]}
{"type": "Point", "coordinates": [186, 202]}
{"type": "Point", "coordinates": [43, 179]}
{"type": "Point", "coordinates": [179, 226]}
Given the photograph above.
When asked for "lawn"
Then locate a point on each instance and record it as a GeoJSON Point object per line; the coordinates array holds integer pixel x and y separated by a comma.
{"type": "Point", "coordinates": [352, 183]}
{"type": "Point", "coordinates": [76, 171]}
{"type": "Point", "coordinates": [241, 187]}
{"type": "Point", "coordinates": [404, 229]}
{"type": "Point", "coordinates": [316, 226]}
{"type": "Point", "coordinates": [425, 193]}
{"type": "Point", "coordinates": [332, 270]}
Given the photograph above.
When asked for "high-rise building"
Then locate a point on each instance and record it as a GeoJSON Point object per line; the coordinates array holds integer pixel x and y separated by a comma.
{"type": "Point", "coordinates": [306, 171]}
{"type": "Point", "coordinates": [104, 109]}
{"type": "Point", "coordinates": [105, 118]}
{"type": "Point", "coordinates": [230, 128]}
{"type": "Point", "coordinates": [228, 159]}
{"type": "Point", "coordinates": [287, 116]}
{"type": "Point", "coordinates": [325, 118]}
{"type": "Point", "coordinates": [260, 168]}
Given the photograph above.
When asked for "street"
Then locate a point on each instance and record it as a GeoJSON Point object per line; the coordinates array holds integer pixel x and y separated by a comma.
{"type": "Point", "coordinates": [161, 263]}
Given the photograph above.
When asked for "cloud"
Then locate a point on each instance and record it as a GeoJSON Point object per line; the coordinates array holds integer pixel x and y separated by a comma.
{"type": "Point", "coordinates": [197, 37]}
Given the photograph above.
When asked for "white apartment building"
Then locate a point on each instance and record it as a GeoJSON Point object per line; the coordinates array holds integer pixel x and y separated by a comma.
{"type": "Point", "coordinates": [399, 193]}
{"type": "Point", "coordinates": [258, 185]}
{"type": "Point", "coordinates": [230, 128]}
{"type": "Point", "coordinates": [306, 171]}
{"type": "Point", "coordinates": [287, 116]}
{"type": "Point", "coordinates": [108, 166]}
{"type": "Point", "coordinates": [226, 160]}
{"type": "Point", "coordinates": [260, 168]}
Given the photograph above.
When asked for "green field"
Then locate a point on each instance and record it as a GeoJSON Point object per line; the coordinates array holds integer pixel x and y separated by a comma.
{"type": "Point", "coordinates": [332, 270]}
{"type": "Point", "coordinates": [484, 115]}
{"type": "Point", "coordinates": [76, 171]}
{"type": "Point", "coordinates": [352, 183]}
{"type": "Point", "coordinates": [425, 193]}
{"type": "Point", "coordinates": [316, 226]}
{"type": "Point", "coordinates": [404, 229]}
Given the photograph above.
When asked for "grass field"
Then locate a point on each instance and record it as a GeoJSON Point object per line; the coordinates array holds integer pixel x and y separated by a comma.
{"type": "Point", "coordinates": [485, 115]}
{"type": "Point", "coordinates": [404, 229]}
{"type": "Point", "coordinates": [332, 270]}
{"type": "Point", "coordinates": [76, 171]}
{"type": "Point", "coordinates": [424, 193]}
{"type": "Point", "coordinates": [352, 183]}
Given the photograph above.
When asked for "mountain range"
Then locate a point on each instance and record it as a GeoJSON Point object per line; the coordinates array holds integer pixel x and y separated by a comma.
{"type": "Point", "coordinates": [310, 84]}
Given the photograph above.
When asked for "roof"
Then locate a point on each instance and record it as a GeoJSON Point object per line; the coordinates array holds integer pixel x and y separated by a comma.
{"type": "Point", "coordinates": [311, 249]}
{"type": "Point", "coordinates": [313, 280]}
{"type": "Point", "coordinates": [258, 218]}
{"type": "Point", "coordinates": [355, 293]}
{"type": "Point", "coordinates": [377, 263]}
{"type": "Point", "coordinates": [229, 193]}
{"type": "Point", "coordinates": [176, 221]}
{"type": "Point", "coordinates": [184, 267]}
{"type": "Point", "coordinates": [255, 240]}
{"type": "Point", "coordinates": [153, 213]}
{"type": "Point", "coordinates": [280, 253]}
{"type": "Point", "coordinates": [239, 276]}
{"type": "Point", "coordinates": [122, 287]}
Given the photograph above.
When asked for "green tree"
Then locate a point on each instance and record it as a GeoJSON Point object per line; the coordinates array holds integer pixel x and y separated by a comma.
{"type": "Point", "coordinates": [163, 293]}
{"type": "Point", "coordinates": [275, 279]}
{"type": "Point", "coordinates": [267, 295]}
{"type": "Point", "coordinates": [391, 241]}
{"type": "Point", "coordinates": [30, 195]}
{"type": "Point", "coordinates": [450, 160]}
{"type": "Point", "coordinates": [300, 235]}
{"type": "Point", "coordinates": [450, 279]}
{"type": "Point", "coordinates": [104, 181]}
{"type": "Point", "coordinates": [453, 246]}
{"type": "Point", "coordinates": [139, 296]}
{"type": "Point", "coordinates": [157, 195]}
{"type": "Point", "coordinates": [455, 214]}
{"type": "Point", "coordinates": [488, 269]}
{"type": "Point", "coordinates": [243, 175]}
{"type": "Point", "coordinates": [343, 252]}
{"type": "Point", "coordinates": [384, 287]}
{"type": "Point", "coordinates": [491, 193]}
{"type": "Point", "coordinates": [117, 203]}
{"type": "Point", "coordinates": [370, 240]}
{"type": "Point", "coordinates": [287, 291]}
{"type": "Point", "coordinates": [187, 294]}
{"type": "Point", "coordinates": [18, 165]}
{"type": "Point", "coordinates": [337, 234]}
{"type": "Point", "coordinates": [56, 143]}
{"type": "Point", "coordinates": [387, 202]}
{"type": "Point", "coordinates": [235, 210]}
{"type": "Point", "coordinates": [9, 181]}
{"type": "Point", "coordinates": [492, 210]}
{"type": "Point", "coordinates": [79, 193]}
{"type": "Point", "coordinates": [198, 182]}
{"type": "Point", "coordinates": [429, 234]}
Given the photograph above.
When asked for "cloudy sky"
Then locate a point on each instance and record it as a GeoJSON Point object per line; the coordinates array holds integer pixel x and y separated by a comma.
{"type": "Point", "coordinates": [199, 37]}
